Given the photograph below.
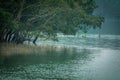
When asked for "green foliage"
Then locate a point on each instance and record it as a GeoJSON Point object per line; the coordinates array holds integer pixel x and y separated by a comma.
{"type": "Point", "coordinates": [49, 16]}
{"type": "Point", "coordinates": [15, 24]}
{"type": "Point", "coordinates": [5, 18]}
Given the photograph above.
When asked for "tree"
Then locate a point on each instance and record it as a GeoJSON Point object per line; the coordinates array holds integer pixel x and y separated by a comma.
{"type": "Point", "coordinates": [22, 19]}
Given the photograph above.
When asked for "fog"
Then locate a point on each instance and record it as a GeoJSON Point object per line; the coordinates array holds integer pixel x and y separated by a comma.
{"type": "Point", "coordinates": [110, 9]}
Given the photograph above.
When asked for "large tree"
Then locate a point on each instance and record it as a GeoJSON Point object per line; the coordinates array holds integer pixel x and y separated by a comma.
{"type": "Point", "coordinates": [20, 19]}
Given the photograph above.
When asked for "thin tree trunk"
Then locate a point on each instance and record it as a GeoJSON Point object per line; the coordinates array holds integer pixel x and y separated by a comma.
{"type": "Point", "coordinates": [99, 34]}
{"type": "Point", "coordinates": [34, 41]}
{"type": "Point", "coordinates": [7, 35]}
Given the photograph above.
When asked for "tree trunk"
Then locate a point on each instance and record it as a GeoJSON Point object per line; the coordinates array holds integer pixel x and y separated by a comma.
{"type": "Point", "coordinates": [3, 35]}
{"type": "Point", "coordinates": [7, 35]}
{"type": "Point", "coordinates": [10, 36]}
{"type": "Point", "coordinates": [35, 39]}
{"type": "Point", "coordinates": [99, 35]}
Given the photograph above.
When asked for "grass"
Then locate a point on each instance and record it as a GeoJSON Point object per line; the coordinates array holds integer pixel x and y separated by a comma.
{"type": "Point", "coordinates": [7, 49]}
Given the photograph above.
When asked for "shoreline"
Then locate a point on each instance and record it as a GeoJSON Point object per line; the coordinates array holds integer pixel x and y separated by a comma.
{"type": "Point", "coordinates": [9, 49]}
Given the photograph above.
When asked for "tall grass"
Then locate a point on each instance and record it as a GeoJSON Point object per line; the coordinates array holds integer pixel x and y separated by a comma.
{"type": "Point", "coordinates": [7, 49]}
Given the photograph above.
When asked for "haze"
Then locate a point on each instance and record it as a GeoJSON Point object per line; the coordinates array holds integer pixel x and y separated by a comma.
{"type": "Point", "coordinates": [110, 9]}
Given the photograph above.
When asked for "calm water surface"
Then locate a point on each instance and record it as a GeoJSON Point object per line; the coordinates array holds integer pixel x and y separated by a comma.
{"type": "Point", "coordinates": [89, 59]}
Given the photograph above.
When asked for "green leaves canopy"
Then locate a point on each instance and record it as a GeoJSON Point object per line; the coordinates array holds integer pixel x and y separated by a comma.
{"type": "Point", "coordinates": [50, 16]}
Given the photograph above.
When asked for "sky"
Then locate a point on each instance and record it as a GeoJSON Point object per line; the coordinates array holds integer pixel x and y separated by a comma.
{"type": "Point", "coordinates": [110, 9]}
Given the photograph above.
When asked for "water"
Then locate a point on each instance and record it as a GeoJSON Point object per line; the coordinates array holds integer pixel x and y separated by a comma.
{"type": "Point", "coordinates": [86, 59]}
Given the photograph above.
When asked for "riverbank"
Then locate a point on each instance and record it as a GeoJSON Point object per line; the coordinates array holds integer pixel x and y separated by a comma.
{"type": "Point", "coordinates": [7, 49]}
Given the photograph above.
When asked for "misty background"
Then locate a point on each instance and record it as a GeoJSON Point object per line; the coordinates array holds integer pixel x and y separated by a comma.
{"type": "Point", "coordinates": [110, 9]}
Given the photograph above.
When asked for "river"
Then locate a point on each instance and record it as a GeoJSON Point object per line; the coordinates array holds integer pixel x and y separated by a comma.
{"type": "Point", "coordinates": [88, 58]}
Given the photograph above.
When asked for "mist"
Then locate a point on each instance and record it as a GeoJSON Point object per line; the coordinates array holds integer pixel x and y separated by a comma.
{"type": "Point", "coordinates": [110, 10]}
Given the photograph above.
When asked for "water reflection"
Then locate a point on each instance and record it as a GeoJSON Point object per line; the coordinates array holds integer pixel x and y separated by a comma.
{"type": "Point", "coordinates": [68, 64]}
{"type": "Point", "coordinates": [92, 59]}
{"type": "Point", "coordinates": [49, 57]}
{"type": "Point", "coordinates": [53, 65]}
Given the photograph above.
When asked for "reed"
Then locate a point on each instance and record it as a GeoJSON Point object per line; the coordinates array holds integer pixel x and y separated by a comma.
{"type": "Point", "coordinates": [7, 49]}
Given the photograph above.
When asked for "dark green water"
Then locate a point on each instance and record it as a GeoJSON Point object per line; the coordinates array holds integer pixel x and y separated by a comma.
{"type": "Point", "coordinates": [99, 62]}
